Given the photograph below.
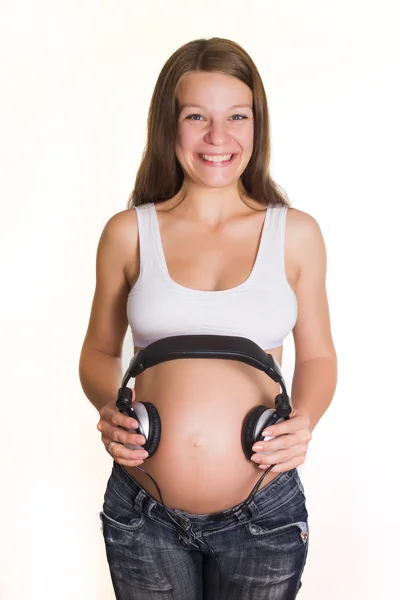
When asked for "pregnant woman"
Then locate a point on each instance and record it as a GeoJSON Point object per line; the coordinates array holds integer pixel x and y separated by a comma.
{"type": "Point", "coordinates": [208, 245]}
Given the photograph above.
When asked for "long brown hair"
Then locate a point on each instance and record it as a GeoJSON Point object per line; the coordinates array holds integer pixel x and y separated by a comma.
{"type": "Point", "coordinates": [160, 175]}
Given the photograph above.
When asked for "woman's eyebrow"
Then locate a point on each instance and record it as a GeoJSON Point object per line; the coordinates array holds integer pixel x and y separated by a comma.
{"type": "Point", "coordinates": [187, 105]}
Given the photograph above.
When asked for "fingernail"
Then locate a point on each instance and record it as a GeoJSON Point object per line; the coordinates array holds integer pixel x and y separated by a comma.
{"type": "Point", "coordinates": [267, 433]}
{"type": "Point", "coordinates": [258, 448]}
{"type": "Point", "coordinates": [256, 459]}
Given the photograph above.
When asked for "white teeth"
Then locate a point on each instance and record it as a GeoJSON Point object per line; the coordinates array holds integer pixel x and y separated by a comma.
{"type": "Point", "coordinates": [220, 158]}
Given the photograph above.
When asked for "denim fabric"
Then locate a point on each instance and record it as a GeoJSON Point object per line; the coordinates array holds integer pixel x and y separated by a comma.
{"type": "Point", "coordinates": [261, 552]}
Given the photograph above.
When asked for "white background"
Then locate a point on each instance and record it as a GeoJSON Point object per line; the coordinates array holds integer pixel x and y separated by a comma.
{"type": "Point", "coordinates": [76, 80]}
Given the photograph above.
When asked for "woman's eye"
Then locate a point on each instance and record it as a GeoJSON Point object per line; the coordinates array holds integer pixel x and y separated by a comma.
{"type": "Point", "coordinates": [197, 117]}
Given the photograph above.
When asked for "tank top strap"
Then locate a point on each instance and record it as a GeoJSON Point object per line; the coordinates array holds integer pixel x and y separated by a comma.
{"type": "Point", "coordinates": [148, 243]}
{"type": "Point", "coordinates": [271, 254]}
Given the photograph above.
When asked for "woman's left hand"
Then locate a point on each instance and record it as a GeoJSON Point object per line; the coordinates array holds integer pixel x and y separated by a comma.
{"type": "Point", "coordinates": [287, 451]}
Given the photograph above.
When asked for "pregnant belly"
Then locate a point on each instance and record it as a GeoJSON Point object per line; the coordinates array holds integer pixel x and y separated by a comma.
{"type": "Point", "coordinates": [199, 465]}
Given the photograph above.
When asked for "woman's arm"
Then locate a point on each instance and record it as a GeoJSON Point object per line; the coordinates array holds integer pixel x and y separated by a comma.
{"type": "Point", "coordinates": [315, 373]}
{"type": "Point", "coordinates": [100, 368]}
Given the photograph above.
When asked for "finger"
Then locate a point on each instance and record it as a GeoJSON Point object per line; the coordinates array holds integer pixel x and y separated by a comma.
{"type": "Point", "coordinates": [120, 420]}
{"type": "Point", "coordinates": [280, 456]}
{"type": "Point", "coordinates": [117, 434]}
{"type": "Point", "coordinates": [124, 437]}
{"type": "Point", "coordinates": [289, 426]}
{"type": "Point", "coordinates": [279, 443]}
{"type": "Point", "coordinates": [119, 452]}
{"type": "Point", "coordinates": [283, 441]}
{"type": "Point", "coordinates": [114, 417]}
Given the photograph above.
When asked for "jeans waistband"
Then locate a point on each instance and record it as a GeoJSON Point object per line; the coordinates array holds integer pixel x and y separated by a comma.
{"type": "Point", "coordinates": [270, 496]}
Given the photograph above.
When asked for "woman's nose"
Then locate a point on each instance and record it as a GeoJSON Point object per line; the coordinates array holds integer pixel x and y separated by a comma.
{"type": "Point", "coordinates": [216, 134]}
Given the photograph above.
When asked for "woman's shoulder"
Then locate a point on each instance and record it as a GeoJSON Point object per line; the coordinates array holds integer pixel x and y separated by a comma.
{"type": "Point", "coordinates": [300, 218]}
{"type": "Point", "coordinates": [122, 223]}
{"type": "Point", "coordinates": [303, 234]}
{"type": "Point", "coordinates": [301, 225]}
{"type": "Point", "coordinates": [120, 233]}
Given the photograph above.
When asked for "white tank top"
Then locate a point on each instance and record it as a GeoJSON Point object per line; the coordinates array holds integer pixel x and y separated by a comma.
{"type": "Point", "coordinates": [263, 308]}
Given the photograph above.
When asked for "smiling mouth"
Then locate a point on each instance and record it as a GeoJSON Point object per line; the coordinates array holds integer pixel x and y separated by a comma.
{"type": "Point", "coordinates": [216, 158]}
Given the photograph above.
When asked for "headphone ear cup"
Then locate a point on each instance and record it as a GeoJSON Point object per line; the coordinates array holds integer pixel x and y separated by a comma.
{"type": "Point", "coordinates": [154, 435]}
{"type": "Point", "coordinates": [254, 424]}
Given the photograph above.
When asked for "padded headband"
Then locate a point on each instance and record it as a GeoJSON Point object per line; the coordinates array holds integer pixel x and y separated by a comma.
{"type": "Point", "coordinates": [204, 346]}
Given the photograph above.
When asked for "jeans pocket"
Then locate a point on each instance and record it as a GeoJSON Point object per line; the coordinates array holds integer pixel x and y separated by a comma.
{"type": "Point", "coordinates": [119, 514]}
{"type": "Point", "coordinates": [283, 522]}
{"type": "Point", "coordinates": [285, 538]}
{"type": "Point", "coordinates": [131, 558]}
{"type": "Point", "coordinates": [122, 524]}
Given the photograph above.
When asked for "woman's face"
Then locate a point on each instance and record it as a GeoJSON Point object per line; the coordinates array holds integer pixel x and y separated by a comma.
{"type": "Point", "coordinates": [215, 128]}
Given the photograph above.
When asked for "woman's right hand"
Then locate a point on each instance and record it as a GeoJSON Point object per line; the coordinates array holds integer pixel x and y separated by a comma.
{"type": "Point", "coordinates": [114, 437]}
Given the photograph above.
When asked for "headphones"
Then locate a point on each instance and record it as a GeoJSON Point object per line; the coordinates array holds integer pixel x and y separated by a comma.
{"type": "Point", "coordinates": [203, 346]}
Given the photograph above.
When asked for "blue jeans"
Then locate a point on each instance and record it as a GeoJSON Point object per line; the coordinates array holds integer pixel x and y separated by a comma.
{"type": "Point", "coordinates": [261, 552]}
